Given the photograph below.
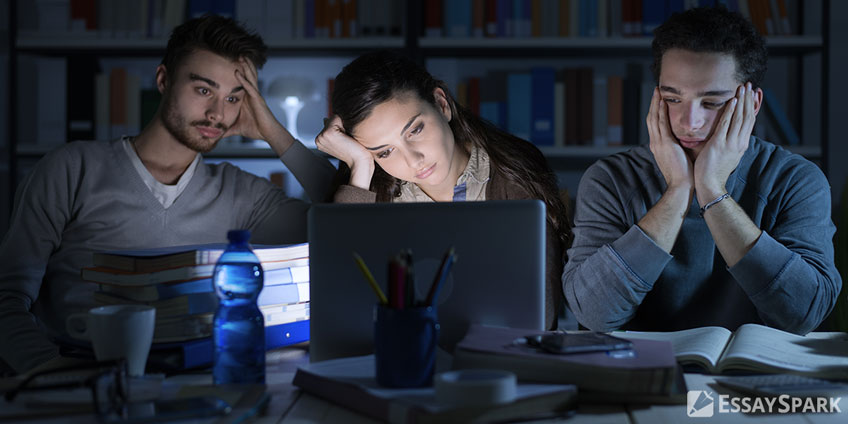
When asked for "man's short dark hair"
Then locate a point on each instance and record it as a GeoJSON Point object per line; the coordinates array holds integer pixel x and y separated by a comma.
{"type": "Point", "coordinates": [217, 34]}
{"type": "Point", "coordinates": [713, 30]}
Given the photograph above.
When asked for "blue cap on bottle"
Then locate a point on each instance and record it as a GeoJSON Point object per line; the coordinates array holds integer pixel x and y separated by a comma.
{"type": "Point", "coordinates": [238, 236]}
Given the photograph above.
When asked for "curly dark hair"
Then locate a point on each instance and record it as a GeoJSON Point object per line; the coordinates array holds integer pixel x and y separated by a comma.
{"type": "Point", "coordinates": [713, 30]}
{"type": "Point", "coordinates": [377, 77]}
{"type": "Point", "coordinates": [217, 34]}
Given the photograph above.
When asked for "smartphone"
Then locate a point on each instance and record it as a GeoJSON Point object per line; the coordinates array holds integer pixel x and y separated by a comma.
{"type": "Point", "coordinates": [577, 342]}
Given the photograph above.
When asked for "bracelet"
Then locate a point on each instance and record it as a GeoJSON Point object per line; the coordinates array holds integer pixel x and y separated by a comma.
{"type": "Point", "coordinates": [717, 199]}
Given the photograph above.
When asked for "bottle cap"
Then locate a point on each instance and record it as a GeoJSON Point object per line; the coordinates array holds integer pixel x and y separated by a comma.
{"type": "Point", "coordinates": [238, 236]}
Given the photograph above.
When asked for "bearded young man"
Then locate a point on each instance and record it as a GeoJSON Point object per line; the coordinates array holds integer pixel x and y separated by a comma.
{"type": "Point", "coordinates": [151, 190]}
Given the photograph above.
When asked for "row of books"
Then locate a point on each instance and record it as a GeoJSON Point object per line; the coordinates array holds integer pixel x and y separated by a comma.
{"type": "Point", "coordinates": [177, 281]}
{"type": "Point", "coordinates": [296, 19]}
{"type": "Point", "coordinates": [583, 18]}
{"type": "Point", "coordinates": [548, 106]}
{"type": "Point", "coordinates": [104, 106]}
{"type": "Point", "coordinates": [585, 107]}
{"type": "Point", "coordinates": [103, 18]}
{"type": "Point", "coordinates": [121, 105]}
{"type": "Point", "coordinates": [275, 20]}
{"type": "Point", "coordinates": [562, 107]}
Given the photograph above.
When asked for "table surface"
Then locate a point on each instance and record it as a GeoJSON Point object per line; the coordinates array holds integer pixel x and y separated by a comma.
{"type": "Point", "coordinates": [289, 405]}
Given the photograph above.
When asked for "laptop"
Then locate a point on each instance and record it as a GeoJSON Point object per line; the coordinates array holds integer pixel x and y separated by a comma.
{"type": "Point", "coordinates": [498, 278]}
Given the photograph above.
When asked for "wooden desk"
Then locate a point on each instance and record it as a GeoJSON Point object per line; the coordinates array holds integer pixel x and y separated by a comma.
{"type": "Point", "coordinates": [290, 405]}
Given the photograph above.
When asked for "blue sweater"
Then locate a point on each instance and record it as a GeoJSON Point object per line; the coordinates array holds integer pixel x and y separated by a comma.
{"type": "Point", "coordinates": [618, 278]}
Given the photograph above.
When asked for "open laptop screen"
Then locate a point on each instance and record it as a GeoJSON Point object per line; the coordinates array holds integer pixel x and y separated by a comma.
{"type": "Point", "coordinates": [498, 277]}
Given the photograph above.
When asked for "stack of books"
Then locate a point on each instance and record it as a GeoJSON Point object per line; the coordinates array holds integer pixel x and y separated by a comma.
{"type": "Point", "coordinates": [647, 372]}
{"type": "Point", "coordinates": [350, 382]}
{"type": "Point", "coordinates": [177, 281]}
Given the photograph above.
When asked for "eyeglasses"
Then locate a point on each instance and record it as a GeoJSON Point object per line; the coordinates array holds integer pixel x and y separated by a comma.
{"type": "Point", "coordinates": [108, 381]}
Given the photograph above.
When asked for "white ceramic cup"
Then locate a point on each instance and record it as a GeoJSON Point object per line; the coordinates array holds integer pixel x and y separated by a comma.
{"type": "Point", "coordinates": [117, 331]}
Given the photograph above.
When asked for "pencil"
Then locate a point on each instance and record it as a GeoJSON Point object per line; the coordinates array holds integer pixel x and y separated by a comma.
{"type": "Point", "coordinates": [441, 276]}
{"type": "Point", "coordinates": [370, 278]}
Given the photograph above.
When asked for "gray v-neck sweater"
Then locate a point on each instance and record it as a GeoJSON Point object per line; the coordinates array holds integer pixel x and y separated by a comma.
{"type": "Point", "coordinates": [86, 196]}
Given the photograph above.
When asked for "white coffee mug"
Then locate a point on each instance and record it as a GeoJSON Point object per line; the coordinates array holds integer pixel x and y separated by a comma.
{"type": "Point", "coordinates": [117, 331]}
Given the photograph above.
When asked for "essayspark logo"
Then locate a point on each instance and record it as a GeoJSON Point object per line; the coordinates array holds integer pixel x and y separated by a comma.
{"type": "Point", "coordinates": [699, 404]}
{"type": "Point", "coordinates": [702, 404]}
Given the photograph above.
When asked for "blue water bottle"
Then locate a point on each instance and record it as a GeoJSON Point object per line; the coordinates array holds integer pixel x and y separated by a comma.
{"type": "Point", "coordinates": [239, 331]}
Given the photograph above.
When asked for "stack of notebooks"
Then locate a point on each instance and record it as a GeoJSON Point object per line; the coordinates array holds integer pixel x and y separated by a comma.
{"type": "Point", "coordinates": [177, 281]}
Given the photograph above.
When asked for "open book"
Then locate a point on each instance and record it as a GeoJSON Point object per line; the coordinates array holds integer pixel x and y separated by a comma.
{"type": "Point", "coordinates": [757, 348]}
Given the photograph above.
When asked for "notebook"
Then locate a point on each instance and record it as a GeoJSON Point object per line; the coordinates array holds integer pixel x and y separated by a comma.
{"type": "Point", "coordinates": [498, 277]}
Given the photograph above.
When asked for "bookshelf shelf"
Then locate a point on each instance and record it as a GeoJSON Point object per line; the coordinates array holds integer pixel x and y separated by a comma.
{"type": "Point", "coordinates": [76, 42]}
{"type": "Point", "coordinates": [799, 41]}
{"type": "Point", "coordinates": [149, 46]}
{"type": "Point", "coordinates": [584, 46]}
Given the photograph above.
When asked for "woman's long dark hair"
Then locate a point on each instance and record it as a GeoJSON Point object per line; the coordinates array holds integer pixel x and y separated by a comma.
{"type": "Point", "coordinates": [377, 77]}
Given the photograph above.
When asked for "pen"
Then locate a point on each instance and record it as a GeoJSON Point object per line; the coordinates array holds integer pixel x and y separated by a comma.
{"type": "Point", "coordinates": [441, 276]}
{"type": "Point", "coordinates": [370, 278]}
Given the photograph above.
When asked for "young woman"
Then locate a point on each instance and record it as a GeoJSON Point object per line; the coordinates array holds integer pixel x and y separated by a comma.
{"type": "Point", "coordinates": [405, 139]}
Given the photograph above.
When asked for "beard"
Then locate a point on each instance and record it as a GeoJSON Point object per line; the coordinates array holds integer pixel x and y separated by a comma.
{"type": "Point", "coordinates": [181, 129]}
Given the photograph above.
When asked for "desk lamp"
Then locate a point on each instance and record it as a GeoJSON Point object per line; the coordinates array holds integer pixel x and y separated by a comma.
{"type": "Point", "coordinates": [291, 93]}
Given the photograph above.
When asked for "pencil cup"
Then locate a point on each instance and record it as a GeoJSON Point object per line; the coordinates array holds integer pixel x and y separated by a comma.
{"type": "Point", "coordinates": [405, 343]}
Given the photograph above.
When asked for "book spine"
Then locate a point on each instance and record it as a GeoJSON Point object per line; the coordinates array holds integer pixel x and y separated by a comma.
{"type": "Point", "coordinates": [559, 112]}
{"type": "Point", "coordinates": [571, 107]}
{"type": "Point", "coordinates": [477, 18]}
{"type": "Point", "coordinates": [542, 106]}
{"type": "Point", "coordinates": [491, 18]}
{"type": "Point", "coordinates": [278, 19]}
{"type": "Point", "coordinates": [251, 13]}
{"type": "Point", "coordinates": [600, 112]}
{"type": "Point", "coordinates": [585, 114]}
{"type": "Point", "coordinates": [504, 18]}
{"type": "Point", "coordinates": [519, 103]}
{"type": "Point", "coordinates": [118, 102]}
{"type": "Point", "coordinates": [80, 104]}
{"type": "Point", "coordinates": [614, 110]}
{"type": "Point", "coordinates": [474, 95]}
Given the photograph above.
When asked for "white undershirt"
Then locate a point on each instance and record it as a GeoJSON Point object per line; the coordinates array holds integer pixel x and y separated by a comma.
{"type": "Point", "coordinates": [166, 194]}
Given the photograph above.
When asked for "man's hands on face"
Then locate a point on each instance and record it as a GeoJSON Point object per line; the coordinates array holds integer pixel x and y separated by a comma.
{"type": "Point", "coordinates": [723, 151]}
{"type": "Point", "coordinates": [720, 155]}
{"type": "Point", "coordinates": [255, 119]}
{"type": "Point", "coordinates": [673, 162]}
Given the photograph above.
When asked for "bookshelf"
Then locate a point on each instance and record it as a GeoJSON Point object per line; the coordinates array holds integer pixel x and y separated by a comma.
{"type": "Point", "coordinates": [805, 57]}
